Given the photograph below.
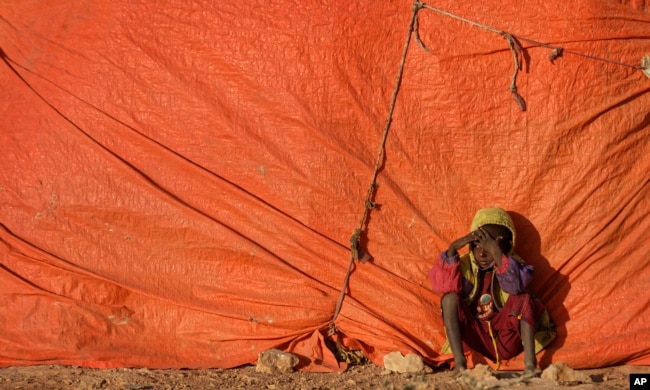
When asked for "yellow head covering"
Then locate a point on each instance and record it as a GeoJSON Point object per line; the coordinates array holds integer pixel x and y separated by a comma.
{"type": "Point", "coordinates": [494, 216]}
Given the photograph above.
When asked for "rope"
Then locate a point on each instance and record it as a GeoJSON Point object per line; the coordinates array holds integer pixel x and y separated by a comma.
{"type": "Point", "coordinates": [558, 50]}
{"type": "Point", "coordinates": [515, 48]}
{"type": "Point", "coordinates": [369, 203]}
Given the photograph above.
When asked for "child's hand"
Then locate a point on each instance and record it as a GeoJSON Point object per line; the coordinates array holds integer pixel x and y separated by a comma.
{"type": "Point", "coordinates": [489, 244]}
{"type": "Point", "coordinates": [459, 243]}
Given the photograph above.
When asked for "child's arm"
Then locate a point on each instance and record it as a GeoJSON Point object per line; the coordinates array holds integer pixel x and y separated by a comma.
{"type": "Point", "coordinates": [459, 243]}
{"type": "Point", "coordinates": [445, 274]}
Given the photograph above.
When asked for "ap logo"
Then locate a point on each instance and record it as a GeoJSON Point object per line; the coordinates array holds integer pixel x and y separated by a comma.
{"type": "Point", "coordinates": [640, 381]}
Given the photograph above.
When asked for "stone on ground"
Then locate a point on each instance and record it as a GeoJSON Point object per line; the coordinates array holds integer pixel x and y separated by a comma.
{"type": "Point", "coordinates": [562, 373]}
{"type": "Point", "coordinates": [479, 377]}
{"type": "Point", "coordinates": [275, 361]}
{"type": "Point", "coordinates": [411, 363]}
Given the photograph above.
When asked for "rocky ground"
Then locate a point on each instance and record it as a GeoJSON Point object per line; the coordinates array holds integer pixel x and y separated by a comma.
{"type": "Point", "coordinates": [365, 376]}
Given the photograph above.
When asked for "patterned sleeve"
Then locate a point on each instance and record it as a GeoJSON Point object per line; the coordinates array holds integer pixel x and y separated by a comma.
{"type": "Point", "coordinates": [513, 275]}
{"type": "Point", "coordinates": [445, 274]}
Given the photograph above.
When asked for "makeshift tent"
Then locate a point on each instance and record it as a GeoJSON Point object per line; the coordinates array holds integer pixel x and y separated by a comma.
{"type": "Point", "coordinates": [186, 183]}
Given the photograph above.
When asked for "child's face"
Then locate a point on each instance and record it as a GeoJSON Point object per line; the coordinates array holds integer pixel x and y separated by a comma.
{"type": "Point", "coordinates": [483, 258]}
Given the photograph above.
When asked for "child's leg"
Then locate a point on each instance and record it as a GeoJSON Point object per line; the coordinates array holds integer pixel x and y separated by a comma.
{"type": "Point", "coordinates": [528, 340]}
{"type": "Point", "coordinates": [452, 327]}
{"type": "Point", "coordinates": [515, 325]}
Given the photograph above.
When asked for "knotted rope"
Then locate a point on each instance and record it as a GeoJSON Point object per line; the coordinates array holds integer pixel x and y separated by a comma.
{"type": "Point", "coordinates": [369, 203]}
{"type": "Point", "coordinates": [515, 48]}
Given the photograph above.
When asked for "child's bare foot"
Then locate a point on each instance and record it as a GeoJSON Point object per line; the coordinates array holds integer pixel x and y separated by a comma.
{"type": "Point", "coordinates": [531, 372]}
{"type": "Point", "coordinates": [459, 367]}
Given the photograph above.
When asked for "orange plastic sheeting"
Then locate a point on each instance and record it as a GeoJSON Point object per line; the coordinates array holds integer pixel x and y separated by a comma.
{"type": "Point", "coordinates": [638, 4]}
{"type": "Point", "coordinates": [179, 181]}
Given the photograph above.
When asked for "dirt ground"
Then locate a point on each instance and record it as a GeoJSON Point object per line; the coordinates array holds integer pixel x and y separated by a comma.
{"type": "Point", "coordinates": [366, 376]}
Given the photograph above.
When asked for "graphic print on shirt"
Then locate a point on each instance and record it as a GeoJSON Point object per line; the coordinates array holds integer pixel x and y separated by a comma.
{"type": "Point", "coordinates": [485, 307]}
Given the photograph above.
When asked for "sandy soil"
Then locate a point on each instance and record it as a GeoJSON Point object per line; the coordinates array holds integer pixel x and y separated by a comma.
{"type": "Point", "coordinates": [366, 376]}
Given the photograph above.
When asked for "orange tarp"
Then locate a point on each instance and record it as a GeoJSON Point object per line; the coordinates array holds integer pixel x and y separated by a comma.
{"type": "Point", "coordinates": [179, 181]}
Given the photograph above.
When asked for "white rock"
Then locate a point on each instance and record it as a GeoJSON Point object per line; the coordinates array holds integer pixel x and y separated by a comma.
{"type": "Point", "coordinates": [410, 363]}
{"type": "Point", "coordinates": [479, 377]}
{"type": "Point", "coordinates": [561, 372]}
{"type": "Point", "coordinates": [480, 372]}
{"type": "Point", "coordinates": [275, 361]}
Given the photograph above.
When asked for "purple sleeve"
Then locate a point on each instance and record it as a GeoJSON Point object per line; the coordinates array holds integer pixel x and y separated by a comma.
{"type": "Point", "coordinates": [449, 260]}
{"type": "Point", "coordinates": [514, 276]}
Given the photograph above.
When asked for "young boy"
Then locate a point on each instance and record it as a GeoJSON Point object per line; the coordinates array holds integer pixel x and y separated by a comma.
{"type": "Point", "coordinates": [485, 306]}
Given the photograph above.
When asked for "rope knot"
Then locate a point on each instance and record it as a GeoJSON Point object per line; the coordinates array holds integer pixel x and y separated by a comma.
{"type": "Point", "coordinates": [516, 50]}
{"type": "Point", "coordinates": [555, 53]}
{"type": "Point", "coordinates": [645, 65]}
{"type": "Point", "coordinates": [332, 330]}
{"type": "Point", "coordinates": [354, 243]}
